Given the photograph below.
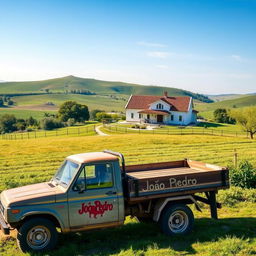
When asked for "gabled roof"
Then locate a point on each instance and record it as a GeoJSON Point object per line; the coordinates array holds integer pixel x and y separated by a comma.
{"type": "Point", "coordinates": [180, 103]}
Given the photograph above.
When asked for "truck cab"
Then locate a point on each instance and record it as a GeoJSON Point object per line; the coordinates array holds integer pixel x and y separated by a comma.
{"type": "Point", "coordinates": [85, 193]}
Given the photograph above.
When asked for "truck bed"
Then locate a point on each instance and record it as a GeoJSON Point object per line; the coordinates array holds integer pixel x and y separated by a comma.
{"type": "Point", "coordinates": [174, 178]}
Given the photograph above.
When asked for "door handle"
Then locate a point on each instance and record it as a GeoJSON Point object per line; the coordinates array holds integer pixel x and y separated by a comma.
{"type": "Point", "coordinates": [111, 193]}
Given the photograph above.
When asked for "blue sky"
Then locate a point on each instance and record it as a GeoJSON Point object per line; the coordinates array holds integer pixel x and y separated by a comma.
{"type": "Point", "coordinates": [206, 46]}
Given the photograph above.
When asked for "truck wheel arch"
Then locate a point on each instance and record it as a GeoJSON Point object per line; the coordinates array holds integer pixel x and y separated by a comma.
{"type": "Point", "coordinates": [162, 203]}
{"type": "Point", "coordinates": [48, 216]}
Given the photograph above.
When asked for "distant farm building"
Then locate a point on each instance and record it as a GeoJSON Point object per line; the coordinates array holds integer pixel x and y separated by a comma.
{"type": "Point", "coordinates": [161, 110]}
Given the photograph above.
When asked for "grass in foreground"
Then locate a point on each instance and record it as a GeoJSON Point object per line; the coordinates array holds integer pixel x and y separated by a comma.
{"type": "Point", "coordinates": [35, 160]}
{"type": "Point", "coordinates": [232, 234]}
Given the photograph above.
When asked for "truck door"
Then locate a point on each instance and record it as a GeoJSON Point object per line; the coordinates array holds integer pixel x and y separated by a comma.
{"type": "Point", "coordinates": [98, 202]}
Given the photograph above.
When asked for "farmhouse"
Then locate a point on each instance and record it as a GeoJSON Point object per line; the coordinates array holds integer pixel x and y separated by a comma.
{"type": "Point", "coordinates": [161, 110]}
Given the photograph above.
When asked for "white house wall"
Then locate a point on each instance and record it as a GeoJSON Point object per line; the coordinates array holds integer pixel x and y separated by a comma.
{"type": "Point", "coordinates": [135, 113]}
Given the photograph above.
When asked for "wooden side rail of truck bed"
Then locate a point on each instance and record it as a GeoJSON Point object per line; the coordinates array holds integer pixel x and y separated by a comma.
{"type": "Point", "coordinates": [174, 178]}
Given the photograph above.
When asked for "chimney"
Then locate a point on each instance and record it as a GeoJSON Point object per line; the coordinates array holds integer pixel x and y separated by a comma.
{"type": "Point", "coordinates": [166, 94]}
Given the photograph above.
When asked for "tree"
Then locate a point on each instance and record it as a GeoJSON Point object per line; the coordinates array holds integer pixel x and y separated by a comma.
{"type": "Point", "coordinates": [32, 121]}
{"type": "Point", "coordinates": [100, 116]}
{"type": "Point", "coordinates": [10, 102]}
{"type": "Point", "coordinates": [8, 123]}
{"type": "Point", "coordinates": [94, 112]}
{"type": "Point", "coordinates": [221, 115]}
{"type": "Point", "coordinates": [246, 117]}
{"type": "Point", "coordinates": [21, 124]}
{"type": "Point", "coordinates": [72, 109]}
{"type": "Point", "coordinates": [50, 123]}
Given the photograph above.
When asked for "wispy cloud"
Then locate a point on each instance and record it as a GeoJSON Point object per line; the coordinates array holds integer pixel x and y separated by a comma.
{"type": "Point", "coordinates": [236, 57]}
{"type": "Point", "coordinates": [158, 54]}
{"type": "Point", "coordinates": [162, 66]}
{"type": "Point", "coordinates": [150, 44]}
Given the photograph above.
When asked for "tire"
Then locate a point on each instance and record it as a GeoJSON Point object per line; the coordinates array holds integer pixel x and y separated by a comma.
{"type": "Point", "coordinates": [177, 220]}
{"type": "Point", "coordinates": [37, 235]}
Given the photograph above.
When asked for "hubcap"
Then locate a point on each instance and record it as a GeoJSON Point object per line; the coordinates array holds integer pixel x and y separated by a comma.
{"type": "Point", "coordinates": [38, 237]}
{"type": "Point", "coordinates": [178, 222]}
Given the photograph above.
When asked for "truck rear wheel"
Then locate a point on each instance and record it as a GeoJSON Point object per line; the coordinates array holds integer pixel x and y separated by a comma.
{"type": "Point", "coordinates": [177, 220]}
{"type": "Point", "coordinates": [37, 234]}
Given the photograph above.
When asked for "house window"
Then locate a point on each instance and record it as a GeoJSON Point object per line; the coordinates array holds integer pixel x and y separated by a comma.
{"type": "Point", "coordinates": [132, 115]}
{"type": "Point", "coordinates": [172, 117]}
{"type": "Point", "coordinates": [140, 115]}
{"type": "Point", "coordinates": [159, 106]}
{"type": "Point", "coordinates": [148, 116]}
{"type": "Point", "coordinates": [180, 118]}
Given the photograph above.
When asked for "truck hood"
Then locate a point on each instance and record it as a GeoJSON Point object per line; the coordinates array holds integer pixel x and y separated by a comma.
{"type": "Point", "coordinates": [32, 194]}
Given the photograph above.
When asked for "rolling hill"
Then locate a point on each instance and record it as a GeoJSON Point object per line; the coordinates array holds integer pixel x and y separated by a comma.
{"type": "Point", "coordinates": [234, 103]}
{"type": "Point", "coordinates": [70, 83]}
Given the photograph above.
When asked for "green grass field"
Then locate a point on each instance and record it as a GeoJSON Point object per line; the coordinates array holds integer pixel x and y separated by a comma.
{"type": "Point", "coordinates": [35, 160]}
{"type": "Point", "coordinates": [21, 113]}
{"type": "Point", "coordinates": [206, 109]}
{"type": "Point", "coordinates": [233, 103]}
{"type": "Point", "coordinates": [92, 101]}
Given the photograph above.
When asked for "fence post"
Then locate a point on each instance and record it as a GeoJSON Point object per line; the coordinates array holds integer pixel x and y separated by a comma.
{"type": "Point", "coordinates": [235, 158]}
{"type": "Point", "coordinates": [56, 131]}
{"type": "Point", "coordinates": [28, 135]}
{"type": "Point", "coordinates": [35, 134]}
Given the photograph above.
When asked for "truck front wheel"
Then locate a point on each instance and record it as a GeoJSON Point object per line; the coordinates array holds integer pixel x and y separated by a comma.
{"type": "Point", "coordinates": [177, 220]}
{"type": "Point", "coordinates": [37, 234]}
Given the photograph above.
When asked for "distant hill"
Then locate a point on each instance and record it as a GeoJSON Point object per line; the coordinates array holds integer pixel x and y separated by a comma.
{"type": "Point", "coordinates": [71, 83]}
{"type": "Point", "coordinates": [234, 103]}
{"type": "Point", "coordinates": [221, 97]}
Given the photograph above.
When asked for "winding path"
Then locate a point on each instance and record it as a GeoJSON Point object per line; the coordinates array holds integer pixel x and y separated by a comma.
{"type": "Point", "coordinates": [99, 132]}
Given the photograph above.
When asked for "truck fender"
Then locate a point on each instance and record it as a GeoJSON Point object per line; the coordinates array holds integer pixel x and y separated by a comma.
{"type": "Point", "coordinates": [160, 205]}
{"type": "Point", "coordinates": [38, 213]}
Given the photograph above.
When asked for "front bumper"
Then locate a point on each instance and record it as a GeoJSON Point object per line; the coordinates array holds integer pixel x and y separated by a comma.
{"type": "Point", "coordinates": [4, 226]}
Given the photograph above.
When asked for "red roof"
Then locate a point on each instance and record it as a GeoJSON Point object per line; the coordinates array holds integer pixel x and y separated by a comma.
{"type": "Point", "coordinates": [180, 103]}
{"type": "Point", "coordinates": [156, 112]}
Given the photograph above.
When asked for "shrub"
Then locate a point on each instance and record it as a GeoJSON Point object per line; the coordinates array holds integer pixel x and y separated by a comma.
{"type": "Point", "coordinates": [236, 195]}
{"type": "Point", "coordinates": [244, 176]}
{"type": "Point", "coordinates": [8, 123]}
{"type": "Point", "coordinates": [50, 123]}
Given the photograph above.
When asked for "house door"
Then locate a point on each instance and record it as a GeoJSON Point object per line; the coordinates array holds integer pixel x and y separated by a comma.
{"type": "Point", "coordinates": [159, 118]}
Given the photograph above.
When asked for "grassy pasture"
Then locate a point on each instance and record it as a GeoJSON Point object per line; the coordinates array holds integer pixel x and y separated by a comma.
{"type": "Point", "coordinates": [24, 161]}
{"type": "Point", "coordinates": [93, 101]}
{"type": "Point", "coordinates": [21, 113]}
{"type": "Point", "coordinates": [35, 160]}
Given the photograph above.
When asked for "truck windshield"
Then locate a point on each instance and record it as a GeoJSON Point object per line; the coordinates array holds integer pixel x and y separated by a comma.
{"type": "Point", "coordinates": [66, 173]}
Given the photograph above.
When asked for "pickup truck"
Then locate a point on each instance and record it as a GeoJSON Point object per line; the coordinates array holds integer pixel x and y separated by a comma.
{"type": "Point", "coordinates": [96, 190]}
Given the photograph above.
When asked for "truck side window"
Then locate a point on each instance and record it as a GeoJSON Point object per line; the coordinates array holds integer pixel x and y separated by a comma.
{"type": "Point", "coordinates": [97, 176]}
